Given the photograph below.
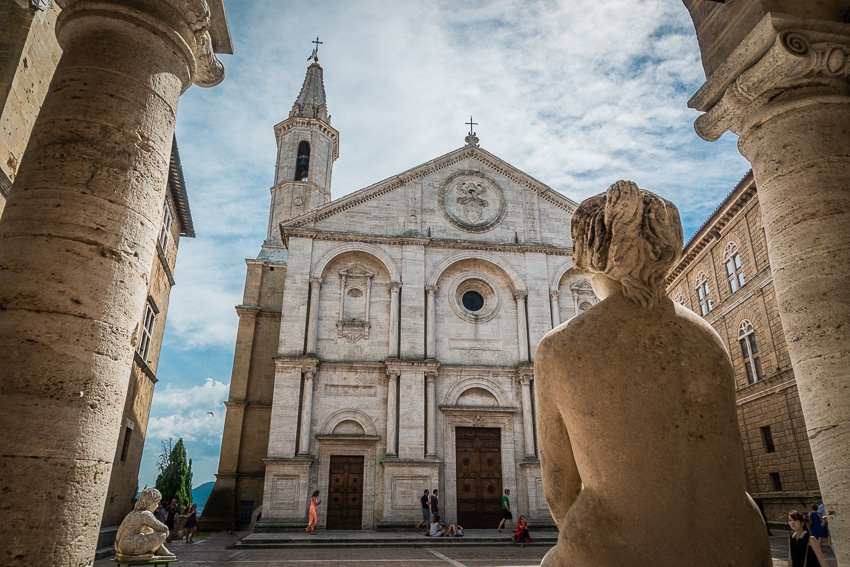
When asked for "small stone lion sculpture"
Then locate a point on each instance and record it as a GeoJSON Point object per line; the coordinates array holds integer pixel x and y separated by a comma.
{"type": "Point", "coordinates": [641, 455]}
{"type": "Point", "coordinates": [141, 535]}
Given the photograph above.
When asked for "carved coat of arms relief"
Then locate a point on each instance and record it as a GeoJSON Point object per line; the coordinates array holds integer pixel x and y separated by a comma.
{"type": "Point", "coordinates": [472, 201]}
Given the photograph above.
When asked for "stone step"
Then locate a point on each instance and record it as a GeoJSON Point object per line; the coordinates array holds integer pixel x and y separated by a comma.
{"type": "Point", "coordinates": [364, 539]}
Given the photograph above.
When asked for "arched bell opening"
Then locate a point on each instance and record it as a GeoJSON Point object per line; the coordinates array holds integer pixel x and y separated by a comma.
{"type": "Point", "coordinates": [302, 161]}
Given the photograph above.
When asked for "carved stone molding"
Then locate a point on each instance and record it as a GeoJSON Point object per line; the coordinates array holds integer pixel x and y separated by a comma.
{"type": "Point", "coordinates": [186, 23]}
{"type": "Point", "coordinates": [781, 61]}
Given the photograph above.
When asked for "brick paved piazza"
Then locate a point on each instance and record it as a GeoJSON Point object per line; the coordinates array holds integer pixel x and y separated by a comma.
{"type": "Point", "coordinates": [211, 550]}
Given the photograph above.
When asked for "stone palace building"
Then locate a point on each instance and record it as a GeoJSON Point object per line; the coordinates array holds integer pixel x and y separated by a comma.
{"type": "Point", "coordinates": [386, 338]}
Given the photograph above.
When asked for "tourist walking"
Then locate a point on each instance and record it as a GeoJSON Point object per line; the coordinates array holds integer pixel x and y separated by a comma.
{"type": "Point", "coordinates": [816, 523]}
{"type": "Point", "coordinates": [521, 535]}
{"type": "Point", "coordinates": [170, 514]}
{"type": "Point", "coordinates": [426, 510]}
{"type": "Point", "coordinates": [803, 549]}
{"type": "Point", "coordinates": [435, 503]}
{"type": "Point", "coordinates": [506, 511]}
{"type": "Point", "coordinates": [191, 523]}
{"type": "Point", "coordinates": [314, 517]}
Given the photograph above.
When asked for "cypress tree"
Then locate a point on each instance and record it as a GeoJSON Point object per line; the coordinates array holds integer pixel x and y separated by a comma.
{"type": "Point", "coordinates": [175, 473]}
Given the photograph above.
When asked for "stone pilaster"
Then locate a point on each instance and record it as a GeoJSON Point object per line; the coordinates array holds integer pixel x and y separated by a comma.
{"type": "Point", "coordinates": [395, 287]}
{"type": "Point", "coordinates": [785, 91]}
{"type": "Point", "coordinates": [525, 378]}
{"type": "Point", "coordinates": [313, 323]}
{"type": "Point", "coordinates": [522, 325]}
{"type": "Point", "coordinates": [431, 322]}
{"type": "Point", "coordinates": [77, 240]}
{"type": "Point", "coordinates": [392, 411]}
{"type": "Point", "coordinates": [431, 425]}
{"type": "Point", "coordinates": [553, 306]}
{"type": "Point", "coordinates": [306, 413]}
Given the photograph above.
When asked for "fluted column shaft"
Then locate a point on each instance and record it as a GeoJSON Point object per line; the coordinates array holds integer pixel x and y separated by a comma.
{"type": "Point", "coordinates": [77, 241]}
{"type": "Point", "coordinates": [394, 314]}
{"type": "Point", "coordinates": [522, 325]}
{"type": "Point", "coordinates": [392, 412]}
{"type": "Point", "coordinates": [527, 416]}
{"type": "Point", "coordinates": [313, 322]}
{"type": "Point", "coordinates": [431, 318]}
{"type": "Point", "coordinates": [306, 413]}
{"type": "Point", "coordinates": [431, 401]}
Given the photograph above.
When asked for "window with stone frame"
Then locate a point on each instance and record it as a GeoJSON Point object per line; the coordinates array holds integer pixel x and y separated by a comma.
{"type": "Point", "coordinates": [680, 299]}
{"type": "Point", "coordinates": [734, 272]}
{"type": "Point", "coordinates": [165, 229]}
{"type": "Point", "coordinates": [750, 351]}
{"type": "Point", "coordinates": [705, 304]}
{"type": "Point", "coordinates": [355, 290]}
{"type": "Point", "coordinates": [147, 331]}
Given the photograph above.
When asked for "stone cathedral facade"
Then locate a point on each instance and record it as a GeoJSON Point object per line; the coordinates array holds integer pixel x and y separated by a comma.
{"type": "Point", "coordinates": [386, 338]}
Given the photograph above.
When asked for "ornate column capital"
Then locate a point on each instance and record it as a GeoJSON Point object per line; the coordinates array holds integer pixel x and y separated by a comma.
{"type": "Point", "coordinates": [395, 287]}
{"type": "Point", "coordinates": [554, 293]}
{"type": "Point", "coordinates": [430, 375]}
{"type": "Point", "coordinates": [431, 289]}
{"type": "Point", "coordinates": [184, 23]}
{"type": "Point", "coordinates": [782, 60]}
{"type": "Point", "coordinates": [520, 295]}
{"type": "Point", "coordinates": [393, 373]}
{"type": "Point", "coordinates": [315, 282]}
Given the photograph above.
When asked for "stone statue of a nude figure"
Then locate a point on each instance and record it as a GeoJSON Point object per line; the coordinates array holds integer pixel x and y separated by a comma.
{"type": "Point", "coordinates": [141, 536]}
{"type": "Point", "coordinates": [641, 455]}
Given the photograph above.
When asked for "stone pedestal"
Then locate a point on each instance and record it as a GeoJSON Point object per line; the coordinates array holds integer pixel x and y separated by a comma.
{"type": "Point", "coordinates": [77, 240]}
{"type": "Point", "coordinates": [785, 92]}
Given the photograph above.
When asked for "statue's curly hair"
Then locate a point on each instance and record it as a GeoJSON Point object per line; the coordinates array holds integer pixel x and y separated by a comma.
{"type": "Point", "coordinates": [632, 236]}
{"type": "Point", "coordinates": [146, 498]}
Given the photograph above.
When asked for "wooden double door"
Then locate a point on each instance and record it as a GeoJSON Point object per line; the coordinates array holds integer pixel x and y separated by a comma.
{"type": "Point", "coordinates": [345, 493]}
{"type": "Point", "coordinates": [479, 476]}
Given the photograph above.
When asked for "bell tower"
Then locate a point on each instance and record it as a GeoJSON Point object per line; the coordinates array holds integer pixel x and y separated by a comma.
{"type": "Point", "coordinates": [307, 147]}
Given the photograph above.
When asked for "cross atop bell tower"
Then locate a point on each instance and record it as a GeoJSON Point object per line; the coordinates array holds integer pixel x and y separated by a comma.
{"type": "Point", "coordinates": [307, 147]}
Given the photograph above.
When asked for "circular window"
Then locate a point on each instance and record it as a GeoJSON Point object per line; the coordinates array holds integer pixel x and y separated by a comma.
{"type": "Point", "coordinates": [473, 297]}
{"type": "Point", "coordinates": [473, 300]}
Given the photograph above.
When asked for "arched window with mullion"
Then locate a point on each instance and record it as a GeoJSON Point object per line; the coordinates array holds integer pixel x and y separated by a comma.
{"type": "Point", "coordinates": [734, 272]}
{"type": "Point", "coordinates": [750, 351]}
{"type": "Point", "coordinates": [705, 304]}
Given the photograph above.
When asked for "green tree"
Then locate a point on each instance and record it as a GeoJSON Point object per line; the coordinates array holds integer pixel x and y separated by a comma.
{"type": "Point", "coordinates": [175, 473]}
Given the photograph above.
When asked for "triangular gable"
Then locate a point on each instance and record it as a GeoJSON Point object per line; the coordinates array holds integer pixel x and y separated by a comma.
{"type": "Point", "coordinates": [399, 181]}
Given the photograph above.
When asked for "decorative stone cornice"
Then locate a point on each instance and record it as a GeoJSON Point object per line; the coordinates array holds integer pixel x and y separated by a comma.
{"type": "Point", "coordinates": [290, 232]}
{"type": "Point", "coordinates": [307, 364]}
{"type": "Point", "coordinates": [783, 59]}
{"type": "Point", "coordinates": [185, 23]}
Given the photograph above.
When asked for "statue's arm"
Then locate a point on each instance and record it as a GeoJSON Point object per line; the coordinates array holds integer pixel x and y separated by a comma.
{"type": "Point", "coordinates": [561, 479]}
{"type": "Point", "coordinates": [149, 520]}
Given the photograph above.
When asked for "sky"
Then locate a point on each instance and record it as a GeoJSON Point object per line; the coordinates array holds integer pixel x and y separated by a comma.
{"type": "Point", "coordinates": [578, 94]}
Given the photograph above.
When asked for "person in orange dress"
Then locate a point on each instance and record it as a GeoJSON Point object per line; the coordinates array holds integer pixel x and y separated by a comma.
{"type": "Point", "coordinates": [314, 518]}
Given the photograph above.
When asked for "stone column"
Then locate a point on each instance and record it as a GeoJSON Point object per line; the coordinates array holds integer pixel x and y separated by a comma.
{"type": "Point", "coordinates": [313, 323]}
{"type": "Point", "coordinates": [431, 401]}
{"type": "Point", "coordinates": [431, 317]}
{"type": "Point", "coordinates": [527, 414]}
{"type": "Point", "coordinates": [556, 311]}
{"type": "Point", "coordinates": [787, 98]}
{"type": "Point", "coordinates": [395, 287]}
{"type": "Point", "coordinates": [521, 325]}
{"type": "Point", "coordinates": [306, 413]}
{"type": "Point", "coordinates": [77, 241]}
{"type": "Point", "coordinates": [392, 411]}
